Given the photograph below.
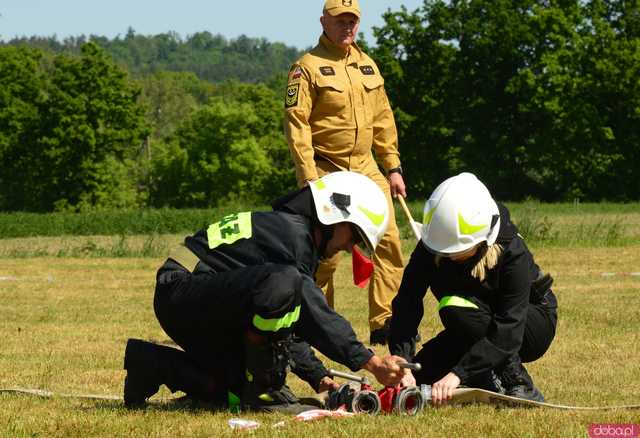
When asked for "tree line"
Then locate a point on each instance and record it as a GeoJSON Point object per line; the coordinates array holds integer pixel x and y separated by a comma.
{"type": "Point", "coordinates": [540, 99]}
{"type": "Point", "coordinates": [77, 132]}
{"type": "Point", "coordinates": [213, 58]}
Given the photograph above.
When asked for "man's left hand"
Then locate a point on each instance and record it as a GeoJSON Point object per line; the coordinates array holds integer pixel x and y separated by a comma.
{"type": "Point", "coordinates": [396, 182]}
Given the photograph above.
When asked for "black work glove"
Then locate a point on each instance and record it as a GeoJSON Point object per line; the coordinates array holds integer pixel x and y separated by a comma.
{"type": "Point", "coordinates": [540, 287]}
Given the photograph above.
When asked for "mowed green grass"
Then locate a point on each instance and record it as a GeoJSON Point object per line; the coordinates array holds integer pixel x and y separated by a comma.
{"type": "Point", "coordinates": [65, 322]}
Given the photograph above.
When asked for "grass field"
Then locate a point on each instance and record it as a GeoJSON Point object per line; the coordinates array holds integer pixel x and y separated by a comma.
{"type": "Point", "coordinates": [66, 315]}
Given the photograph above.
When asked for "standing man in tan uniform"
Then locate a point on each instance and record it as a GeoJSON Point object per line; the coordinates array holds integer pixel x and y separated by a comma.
{"type": "Point", "coordinates": [337, 116]}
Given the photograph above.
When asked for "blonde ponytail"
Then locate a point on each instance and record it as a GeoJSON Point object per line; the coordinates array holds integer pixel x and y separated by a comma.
{"type": "Point", "coordinates": [487, 262]}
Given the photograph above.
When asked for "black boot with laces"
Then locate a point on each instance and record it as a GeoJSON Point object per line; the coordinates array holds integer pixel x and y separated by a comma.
{"type": "Point", "coordinates": [265, 390]}
{"type": "Point", "coordinates": [517, 382]}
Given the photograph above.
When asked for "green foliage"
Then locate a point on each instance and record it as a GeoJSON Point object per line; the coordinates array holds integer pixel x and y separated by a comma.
{"type": "Point", "coordinates": [539, 99]}
{"type": "Point", "coordinates": [211, 57]}
{"type": "Point", "coordinates": [170, 98]}
{"type": "Point", "coordinates": [229, 149]}
{"type": "Point", "coordinates": [69, 132]}
{"type": "Point", "coordinates": [22, 96]}
{"type": "Point", "coordinates": [114, 222]}
{"type": "Point", "coordinates": [541, 224]}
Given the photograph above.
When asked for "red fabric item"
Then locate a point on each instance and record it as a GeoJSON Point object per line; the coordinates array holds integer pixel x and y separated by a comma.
{"type": "Point", "coordinates": [387, 394]}
{"type": "Point", "coordinates": [362, 268]}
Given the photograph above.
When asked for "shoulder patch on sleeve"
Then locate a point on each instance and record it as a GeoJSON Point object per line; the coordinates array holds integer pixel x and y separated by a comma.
{"type": "Point", "coordinates": [295, 72]}
{"type": "Point", "coordinates": [291, 99]}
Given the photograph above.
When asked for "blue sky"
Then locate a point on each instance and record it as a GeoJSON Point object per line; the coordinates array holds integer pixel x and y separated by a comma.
{"type": "Point", "coordinates": [295, 23]}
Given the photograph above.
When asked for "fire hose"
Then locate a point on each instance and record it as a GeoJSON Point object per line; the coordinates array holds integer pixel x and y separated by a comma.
{"type": "Point", "coordinates": [364, 399]}
{"type": "Point", "coordinates": [411, 400]}
{"type": "Point", "coordinates": [390, 399]}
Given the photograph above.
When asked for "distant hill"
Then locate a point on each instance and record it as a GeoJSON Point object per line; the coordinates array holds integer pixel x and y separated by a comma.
{"type": "Point", "coordinates": [211, 57]}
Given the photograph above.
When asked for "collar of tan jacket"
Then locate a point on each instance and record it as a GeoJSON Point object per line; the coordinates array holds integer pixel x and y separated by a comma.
{"type": "Point", "coordinates": [353, 54]}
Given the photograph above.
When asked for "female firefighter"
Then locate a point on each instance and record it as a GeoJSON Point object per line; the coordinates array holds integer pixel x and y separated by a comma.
{"type": "Point", "coordinates": [240, 299]}
{"type": "Point", "coordinates": [495, 303]}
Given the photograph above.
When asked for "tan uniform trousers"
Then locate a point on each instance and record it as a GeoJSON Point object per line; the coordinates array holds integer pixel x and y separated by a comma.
{"type": "Point", "coordinates": [387, 260]}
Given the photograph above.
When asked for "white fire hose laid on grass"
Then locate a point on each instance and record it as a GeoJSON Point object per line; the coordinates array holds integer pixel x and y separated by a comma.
{"type": "Point", "coordinates": [407, 401]}
{"type": "Point", "coordinates": [414, 401]}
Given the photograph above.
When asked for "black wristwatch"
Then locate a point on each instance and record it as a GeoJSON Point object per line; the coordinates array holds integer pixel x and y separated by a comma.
{"type": "Point", "coordinates": [395, 170]}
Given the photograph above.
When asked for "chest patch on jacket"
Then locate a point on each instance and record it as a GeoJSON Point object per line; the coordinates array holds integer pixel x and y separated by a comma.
{"type": "Point", "coordinates": [367, 70]}
{"type": "Point", "coordinates": [291, 99]}
{"type": "Point", "coordinates": [327, 71]}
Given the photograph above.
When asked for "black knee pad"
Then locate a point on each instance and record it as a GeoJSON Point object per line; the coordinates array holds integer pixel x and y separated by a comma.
{"type": "Point", "coordinates": [276, 303]}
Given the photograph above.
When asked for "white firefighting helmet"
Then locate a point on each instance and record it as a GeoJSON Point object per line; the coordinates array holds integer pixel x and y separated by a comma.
{"type": "Point", "coordinates": [459, 214]}
{"type": "Point", "coordinates": [352, 197]}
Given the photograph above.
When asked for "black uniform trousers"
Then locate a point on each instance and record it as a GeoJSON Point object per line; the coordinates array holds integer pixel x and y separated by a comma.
{"type": "Point", "coordinates": [207, 313]}
{"type": "Point", "coordinates": [465, 326]}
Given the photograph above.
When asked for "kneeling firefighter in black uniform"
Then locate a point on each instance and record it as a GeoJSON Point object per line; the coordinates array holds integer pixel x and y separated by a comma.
{"type": "Point", "coordinates": [495, 303]}
{"type": "Point", "coordinates": [240, 299]}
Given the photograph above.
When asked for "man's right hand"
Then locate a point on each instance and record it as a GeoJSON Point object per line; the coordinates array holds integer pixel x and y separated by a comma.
{"type": "Point", "coordinates": [386, 369]}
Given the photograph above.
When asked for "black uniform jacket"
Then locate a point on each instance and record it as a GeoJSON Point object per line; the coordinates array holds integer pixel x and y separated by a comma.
{"type": "Point", "coordinates": [504, 293]}
{"type": "Point", "coordinates": [280, 237]}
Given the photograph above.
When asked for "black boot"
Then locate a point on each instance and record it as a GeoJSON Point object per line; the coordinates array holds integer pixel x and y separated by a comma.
{"type": "Point", "coordinates": [265, 390]}
{"type": "Point", "coordinates": [517, 382]}
{"type": "Point", "coordinates": [150, 365]}
{"type": "Point", "coordinates": [488, 381]}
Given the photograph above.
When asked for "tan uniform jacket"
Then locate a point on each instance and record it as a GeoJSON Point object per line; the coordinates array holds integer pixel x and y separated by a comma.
{"type": "Point", "coordinates": [337, 110]}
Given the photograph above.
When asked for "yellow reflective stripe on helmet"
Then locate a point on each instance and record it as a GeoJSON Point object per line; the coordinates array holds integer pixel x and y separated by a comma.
{"type": "Point", "coordinates": [426, 219]}
{"type": "Point", "coordinates": [273, 325]}
{"type": "Point", "coordinates": [376, 219]}
{"type": "Point", "coordinates": [456, 301]}
{"type": "Point", "coordinates": [231, 228]}
{"type": "Point", "coordinates": [320, 185]}
{"type": "Point", "coordinates": [467, 228]}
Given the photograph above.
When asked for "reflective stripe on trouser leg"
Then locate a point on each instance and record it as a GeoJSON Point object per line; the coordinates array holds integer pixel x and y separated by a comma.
{"type": "Point", "coordinates": [456, 301]}
{"type": "Point", "coordinates": [385, 281]}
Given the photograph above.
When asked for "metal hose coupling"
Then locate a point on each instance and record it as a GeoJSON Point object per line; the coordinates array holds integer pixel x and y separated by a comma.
{"type": "Point", "coordinates": [366, 402]}
{"type": "Point", "coordinates": [401, 400]}
{"type": "Point", "coordinates": [425, 391]}
{"type": "Point", "coordinates": [408, 401]}
{"type": "Point", "coordinates": [362, 401]}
